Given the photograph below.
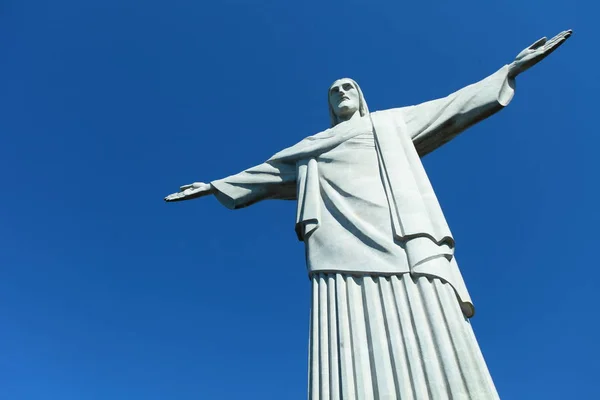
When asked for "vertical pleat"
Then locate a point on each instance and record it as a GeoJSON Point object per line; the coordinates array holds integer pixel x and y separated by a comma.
{"type": "Point", "coordinates": [360, 347]}
{"type": "Point", "coordinates": [441, 336]}
{"type": "Point", "coordinates": [397, 337]}
{"type": "Point", "coordinates": [399, 358]}
{"type": "Point", "coordinates": [323, 339]}
{"type": "Point", "coordinates": [314, 385]}
{"type": "Point", "coordinates": [381, 363]}
{"type": "Point", "coordinates": [462, 352]}
{"type": "Point", "coordinates": [427, 349]}
{"type": "Point", "coordinates": [334, 373]}
{"type": "Point", "coordinates": [348, 383]}
{"type": "Point", "coordinates": [415, 362]}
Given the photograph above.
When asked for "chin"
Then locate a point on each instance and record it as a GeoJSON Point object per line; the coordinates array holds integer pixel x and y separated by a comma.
{"type": "Point", "coordinates": [346, 106]}
{"type": "Point", "coordinates": [343, 110]}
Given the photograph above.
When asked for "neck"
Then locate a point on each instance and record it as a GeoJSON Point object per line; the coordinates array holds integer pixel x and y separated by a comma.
{"type": "Point", "coordinates": [349, 116]}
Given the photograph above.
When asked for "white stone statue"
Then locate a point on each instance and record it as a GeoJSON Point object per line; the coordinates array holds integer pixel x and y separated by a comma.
{"type": "Point", "coordinates": [389, 316]}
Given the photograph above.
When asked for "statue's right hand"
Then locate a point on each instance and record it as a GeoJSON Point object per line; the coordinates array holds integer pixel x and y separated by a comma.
{"type": "Point", "coordinates": [191, 191]}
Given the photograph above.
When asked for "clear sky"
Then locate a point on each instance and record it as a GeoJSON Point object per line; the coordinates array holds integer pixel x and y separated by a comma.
{"type": "Point", "coordinates": [106, 292]}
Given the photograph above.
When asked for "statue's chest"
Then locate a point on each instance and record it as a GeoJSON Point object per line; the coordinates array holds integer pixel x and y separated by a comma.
{"type": "Point", "coordinates": [352, 164]}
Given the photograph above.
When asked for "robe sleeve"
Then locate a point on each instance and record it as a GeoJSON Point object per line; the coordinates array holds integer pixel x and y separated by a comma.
{"type": "Point", "coordinates": [270, 180]}
{"type": "Point", "coordinates": [433, 123]}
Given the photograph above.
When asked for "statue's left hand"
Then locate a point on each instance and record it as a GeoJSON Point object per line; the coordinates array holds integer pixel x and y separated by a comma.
{"type": "Point", "coordinates": [536, 53]}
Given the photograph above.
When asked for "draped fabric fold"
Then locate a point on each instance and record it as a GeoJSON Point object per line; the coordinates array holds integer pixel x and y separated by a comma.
{"type": "Point", "coordinates": [308, 210]}
{"type": "Point", "coordinates": [391, 338]}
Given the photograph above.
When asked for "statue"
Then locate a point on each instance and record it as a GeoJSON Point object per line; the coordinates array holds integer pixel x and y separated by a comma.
{"type": "Point", "coordinates": [389, 314]}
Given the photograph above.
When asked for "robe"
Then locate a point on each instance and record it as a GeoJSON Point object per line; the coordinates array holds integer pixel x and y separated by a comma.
{"type": "Point", "coordinates": [379, 252]}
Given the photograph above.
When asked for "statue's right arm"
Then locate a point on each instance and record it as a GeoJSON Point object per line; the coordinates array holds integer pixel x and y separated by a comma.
{"type": "Point", "coordinates": [191, 191]}
{"type": "Point", "coordinates": [269, 180]}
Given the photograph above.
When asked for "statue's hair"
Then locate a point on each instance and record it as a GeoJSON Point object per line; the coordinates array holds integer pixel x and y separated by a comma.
{"type": "Point", "coordinates": [363, 109]}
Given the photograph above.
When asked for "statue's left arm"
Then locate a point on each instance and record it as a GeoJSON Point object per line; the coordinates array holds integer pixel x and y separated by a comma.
{"type": "Point", "coordinates": [436, 122]}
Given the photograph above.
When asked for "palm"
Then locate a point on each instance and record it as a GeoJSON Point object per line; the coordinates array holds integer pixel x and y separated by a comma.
{"type": "Point", "coordinates": [191, 191]}
{"type": "Point", "coordinates": [537, 52]}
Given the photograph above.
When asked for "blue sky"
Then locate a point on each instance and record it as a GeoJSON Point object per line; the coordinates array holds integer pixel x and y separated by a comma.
{"type": "Point", "coordinates": [107, 106]}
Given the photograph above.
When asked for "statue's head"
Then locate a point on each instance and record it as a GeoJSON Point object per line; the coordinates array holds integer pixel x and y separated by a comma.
{"type": "Point", "coordinates": [345, 99]}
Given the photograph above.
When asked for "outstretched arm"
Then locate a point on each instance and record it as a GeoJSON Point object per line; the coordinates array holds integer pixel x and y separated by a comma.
{"type": "Point", "coordinates": [270, 180]}
{"type": "Point", "coordinates": [436, 122]}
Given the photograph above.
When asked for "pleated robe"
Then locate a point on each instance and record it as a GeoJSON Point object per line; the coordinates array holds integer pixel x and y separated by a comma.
{"type": "Point", "coordinates": [390, 307]}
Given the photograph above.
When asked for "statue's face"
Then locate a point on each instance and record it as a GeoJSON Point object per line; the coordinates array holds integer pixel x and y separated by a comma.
{"type": "Point", "coordinates": [344, 98]}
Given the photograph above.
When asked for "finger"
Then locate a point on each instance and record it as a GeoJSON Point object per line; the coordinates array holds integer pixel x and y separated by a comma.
{"type": "Point", "coordinates": [551, 50]}
{"type": "Point", "coordinates": [560, 36]}
{"type": "Point", "coordinates": [550, 47]}
{"type": "Point", "coordinates": [554, 44]}
{"type": "Point", "coordinates": [182, 188]}
{"type": "Point", "coordinates": [175, 197]}
{"type": "Point", "coordinates": [564, 35]}
{"type": "Point", "coordinates": [524, 52]}
{"type": "Point", "coordinates": [551, 43]}
{"type": "Point", "coordinates": [538, 43]}
{"type": "Point", "coordinates": [169, 198]}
